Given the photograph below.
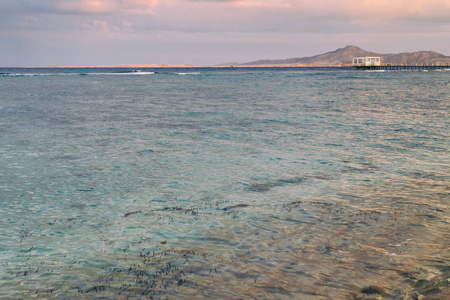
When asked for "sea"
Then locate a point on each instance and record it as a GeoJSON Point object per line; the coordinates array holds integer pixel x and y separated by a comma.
{"type": "Point", "coordinates": [224, 183]}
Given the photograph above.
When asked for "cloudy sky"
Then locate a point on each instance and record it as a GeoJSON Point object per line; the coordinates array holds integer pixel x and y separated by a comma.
{"type": "Point", "coordinates": [208, 32]}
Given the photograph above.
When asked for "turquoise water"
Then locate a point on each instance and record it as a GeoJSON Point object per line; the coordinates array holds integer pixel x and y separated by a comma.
{"type": "Point", "coordinates": [323, 183]}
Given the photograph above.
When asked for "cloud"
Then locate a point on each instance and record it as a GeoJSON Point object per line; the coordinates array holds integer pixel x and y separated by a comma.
{"type": "Point", "coordinates": [347, 10]}
{"type": "Point", "coordinates": [187, 30]}
{"type": "Point", "coordinates": [360, 9]}
{"type": "Point", "coordinates": [302, 16]}
{"type": "Point", "coordinates": [383, 9]}
{"type": "Point", "coordinates": [298, 15]}
{"type": "Point", "coordinates": [249, 3]}
{"type": "Point", "coordinates": [89, 7]}
{"type": "Point", "coordinates": [107, 6]}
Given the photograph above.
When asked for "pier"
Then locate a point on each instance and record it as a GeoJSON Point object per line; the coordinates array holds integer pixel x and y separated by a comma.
{"type": "Point", "coordinates": [404, 67]}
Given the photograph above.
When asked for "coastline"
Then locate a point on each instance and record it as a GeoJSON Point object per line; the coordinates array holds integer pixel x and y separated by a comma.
{"type": "Point", "coordinates": [105, 66]}
{"type": "Point", "coordinates": [182, 66]}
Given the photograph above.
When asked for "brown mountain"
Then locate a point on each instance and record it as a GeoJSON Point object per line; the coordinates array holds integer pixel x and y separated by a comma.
{"type": "Point", "coordinates": [343, 56]}
{"type": "Point", "coordinates": [420, 57]}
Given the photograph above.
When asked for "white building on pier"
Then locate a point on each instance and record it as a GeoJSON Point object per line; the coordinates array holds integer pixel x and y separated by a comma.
{"type": "Point", "coordinates": [367, 61]}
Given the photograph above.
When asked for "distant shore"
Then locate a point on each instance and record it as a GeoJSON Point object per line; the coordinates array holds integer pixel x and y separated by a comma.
{"type": "Point", "coordinates": [109, 66]}
{"type": "Point", "coordinates": [341, 57]}
{"type": "Point", "coordinates": [185, 66]}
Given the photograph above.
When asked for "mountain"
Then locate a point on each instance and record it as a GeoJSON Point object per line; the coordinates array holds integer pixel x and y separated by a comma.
{"type": "Point", "coordinates": [343, 56]}
{"type": "Point", "coordinates": [420, 57]}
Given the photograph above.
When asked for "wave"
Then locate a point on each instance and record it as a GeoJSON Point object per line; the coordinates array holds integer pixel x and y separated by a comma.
{"type": "Point", "coordinates": [25, 74]}
{"type": "Point", "coordinates": [188, 73]}
{"type": "Point", "coordinates": [123, 73]}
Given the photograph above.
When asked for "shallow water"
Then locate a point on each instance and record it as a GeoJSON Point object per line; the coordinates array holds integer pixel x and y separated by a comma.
{"type": "Point", "coordinates": [223, 183]}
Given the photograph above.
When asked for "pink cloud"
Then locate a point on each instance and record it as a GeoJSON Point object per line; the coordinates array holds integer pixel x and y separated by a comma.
{"type": "Point", "coordinates": [263, 3]}
{"type": "Point", "coordinates": [371, 9]}
{"type": "Point", "coordinates": [382, 9]}
{"type": "Point", "coordinates": [351, 9]}
{"type": "Point", "coordinates": [108, 6]}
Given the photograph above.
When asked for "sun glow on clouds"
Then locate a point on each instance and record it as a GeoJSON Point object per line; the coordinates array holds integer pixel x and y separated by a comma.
{"type": "Point", "coordinates": [352, 9]}
{"type": "Point", "coordinates": [251, 15]}
{"type": "Point", "coordinates": [388, 9]}
{"type": "Point", "coordinates": [396, 9]}
{"type": "Point", "coordinates": [108, 6]}
{"type": "Point", "coordinates": [263, 3]}
{"type": "Point", "coordinates": [362, 8]}
{"type": "Point", "coordinates": [223, 30]}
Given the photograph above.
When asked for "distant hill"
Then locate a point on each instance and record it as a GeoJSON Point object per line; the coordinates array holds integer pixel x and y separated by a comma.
{"type": "Point", "coordinates": [420, 57]}
{"type": "Point", "coordinates": [343, 56]}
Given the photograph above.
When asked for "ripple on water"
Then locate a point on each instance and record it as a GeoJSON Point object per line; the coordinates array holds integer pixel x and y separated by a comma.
{"type": "Point", "coordinates": [227, 184]}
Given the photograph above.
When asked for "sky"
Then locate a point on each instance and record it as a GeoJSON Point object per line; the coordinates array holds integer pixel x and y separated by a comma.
{"type": "Point", "coordinates": [210, 32]}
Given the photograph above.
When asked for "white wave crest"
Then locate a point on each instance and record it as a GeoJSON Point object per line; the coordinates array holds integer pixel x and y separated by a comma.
{"type": "Point", "coordinates": [135, 73]}
{"type": "Point", "coordinates": [188, 73]}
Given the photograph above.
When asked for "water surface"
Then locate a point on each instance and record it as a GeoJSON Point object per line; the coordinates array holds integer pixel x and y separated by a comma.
{"type": "Point", "coordinates": [266, 183]}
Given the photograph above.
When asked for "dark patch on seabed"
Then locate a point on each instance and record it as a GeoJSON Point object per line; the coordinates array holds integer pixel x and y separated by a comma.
{"type": "Point", "coordinates": [436, 288]}
{"type": "Point", "coordinates": [167, 271]}
{"type": "Point", "coordinates": [242, 185]}
{"type": "Point", "coordinates": [268, 185]}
